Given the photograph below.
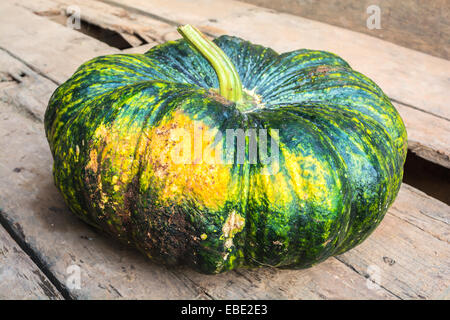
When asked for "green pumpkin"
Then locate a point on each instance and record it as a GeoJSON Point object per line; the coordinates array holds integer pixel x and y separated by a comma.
{"type": "Point", "coordinates": [342, 146]}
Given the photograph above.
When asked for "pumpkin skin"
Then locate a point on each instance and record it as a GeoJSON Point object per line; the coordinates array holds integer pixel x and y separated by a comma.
{"type": "Point", "coordinates": [342, 149]}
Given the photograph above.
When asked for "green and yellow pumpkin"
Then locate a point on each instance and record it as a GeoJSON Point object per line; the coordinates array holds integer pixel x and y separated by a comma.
{"type": "Point", "coordinates": [342, 146]}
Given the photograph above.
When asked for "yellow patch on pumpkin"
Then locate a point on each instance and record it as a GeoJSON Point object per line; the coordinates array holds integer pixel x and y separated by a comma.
{"type": "Point", "coordinates": [115, 146]}
{"type": "Point", "coordinates": [235, 223]}
{"type": "Point", "coordinates": [177, 164]}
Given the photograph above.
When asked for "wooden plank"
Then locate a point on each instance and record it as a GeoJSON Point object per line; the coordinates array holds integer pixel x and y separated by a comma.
{"type": "Point", "coordinates": [135, 28]}
{"type": "Point", "coordinates": [21, 34]}
{"type": "Point", "coordinates": [20, 278]}
{"type": "Point", "coordinates": [428, 135]}
{"type": "Point", "coordinates": [428, 32]}
{"type": "Point", "coordinates": [140, 49]}
{"type": "Point", "coordinates": [432, 217]}
{"type": "Point", "coordinates": [23, 88]}
{"type": "Point", "coordinates": [329, 280]}
{"type": "Point", "coordinates": [410, 249]}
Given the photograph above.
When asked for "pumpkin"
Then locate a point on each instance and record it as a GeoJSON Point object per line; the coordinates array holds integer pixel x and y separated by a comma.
{"type": "Point", "coordinates": [341, 147]}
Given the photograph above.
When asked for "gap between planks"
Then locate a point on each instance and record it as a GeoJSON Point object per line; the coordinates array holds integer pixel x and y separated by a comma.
{"type": "Point", "coordinates": [20, 277]}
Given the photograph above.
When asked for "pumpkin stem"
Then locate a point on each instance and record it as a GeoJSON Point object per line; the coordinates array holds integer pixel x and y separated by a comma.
{"type": "Point", "coordinates": [230, 85]}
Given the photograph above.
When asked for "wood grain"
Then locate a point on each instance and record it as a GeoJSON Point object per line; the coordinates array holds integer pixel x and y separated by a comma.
{"type": "Point", "coordinates": [20, 278]}
{"type": "Point", "coordinates": [428, 135]}
{"type": "Point", "coordinates": [410, 249]}
{"type": "Point", "coordinates": [415, 24]}
{"type": "Point", "coordinates": [133, 28]}
{"type": "Point", "coordinates": [51, 51]}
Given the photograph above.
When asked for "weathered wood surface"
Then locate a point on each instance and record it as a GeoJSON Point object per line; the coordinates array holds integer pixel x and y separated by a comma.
{"type": "Point", "coordinates": [130, 27]}
{"type": "Point", "coordinates": [417, 83]}
{"type": "Point", "coordinates": [20, 278]}
{"type": "Point", "coordinates": [409, 250]}
{"type": "Point", "coordinates": [428, 135]}
{"type": "Point", "coordinates": [415, 24]}
{"type": "Point", "coordinates": [22, 33]}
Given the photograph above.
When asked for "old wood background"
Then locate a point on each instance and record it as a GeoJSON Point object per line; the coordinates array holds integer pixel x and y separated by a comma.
{"type": "Point", "coordinates": [407, 257]}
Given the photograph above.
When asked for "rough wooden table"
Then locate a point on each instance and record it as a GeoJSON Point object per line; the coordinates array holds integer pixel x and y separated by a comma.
{"type": "Point", "coordinates": [42, 245]}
